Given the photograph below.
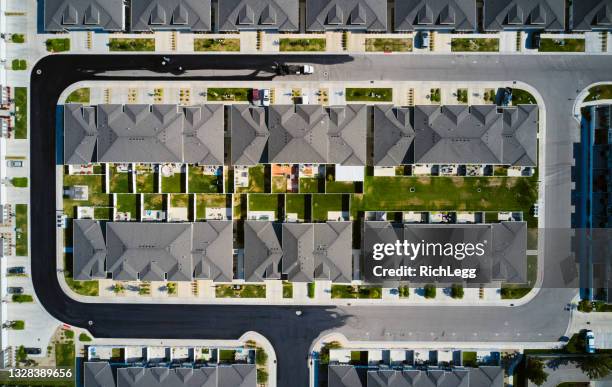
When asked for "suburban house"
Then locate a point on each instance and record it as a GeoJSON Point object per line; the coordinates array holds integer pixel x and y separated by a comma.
{"type": "Point", "coordinates": [299, 252]}
{"type": "Point", "coordinates": [360, 15]}
{"type": "Point", "coordinates": [184, 15]}
{"type": "Point", "coordinates": [74, 15]}
{"type": "Point", "coordinates": [299, 134]}
{"type": "Point", "coordinates": [131, 251]}
{"type": "Point", "coordinates": [547, 15]}
{"type": "Point", "coordinates": [393, 136]}
{"type": "Point", "coordinates": [143, 133]}
{"type": "Point", "coordinates": [274, 15]}
{"type": "Point", "coordinates": [588, 15]}
{"type": "Point", "coordinates": [447, 15]}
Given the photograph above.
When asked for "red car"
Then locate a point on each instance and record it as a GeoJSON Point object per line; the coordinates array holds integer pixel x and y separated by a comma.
{"type": "Point", "coordinates": [255, 97]}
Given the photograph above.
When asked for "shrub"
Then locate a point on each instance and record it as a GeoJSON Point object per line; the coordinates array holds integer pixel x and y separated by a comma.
{"type": "Point", "coordinates": [69, 334]}
{"type": "Point", "coordinates": [457, 291]}
{"type": "Point", "coordinates": [20, 298]}
{"type": "Point", "coordinates": [261, 357]}
{"type": "Point", "coordinates": [84, 337]}
{"type": "Point", "coordinates": [430, 291]}
{"type": "Point", "coordinates": [585, 306]}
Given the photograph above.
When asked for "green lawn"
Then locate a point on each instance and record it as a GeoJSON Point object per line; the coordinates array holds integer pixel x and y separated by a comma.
{"type": "Point", "coordinates": [468, 359]}
{"type": "Point", "coordinates": [119, 181]}
{"type": "Point", "coordinates": [265, 202]}
{"type": "Point", "coordinates": [434, 95]}
{"type": "Point", "coordinates": [279, 184]}
{"type": "Point", "coordinates": [65, 354]}
{"type": "Point", "coordinates": [216, 44]}
{"type": "Point", "coordinates": [322, 203]}
{"type": "Point", "coordinates": [84, 337]}
{"type": "Point", "coordinates": [172, 184]}
{"type": "Point", "coordinates": [311, 289]}
{"type": "Point", "coordinates": [227, 355]}
{"type": "Point", "coordinates": [204, 201]}
{"type": "Point", "coordinates": [522, 97]}
{"type": "Point", "coordinates": [562, 45]}
{"type": "Point", "coordinates": [257, 180]}
{"type": "Point", "coordinates": [201, 183]}
{"type": "Point", "coordinates": [180, 200]}
{"type": "Point", "coordinates": [21, 113]}
{"type": "Point", "coordinates": [21, 298]}
{"type": "Point", "coordinates": [388, 44]}
{"type": "Point", "coordinates": [475, 44]}
{"type": "Point", "coordinates": [309, 184]}
{"type": "Point", "coordinates": [127, 44]}
{"type": "Point", "coordinates": [19, 182]}
{"type": "Point", "coordinates": [462, 96]}
{"type": "Point", "coordinates": [84, 288]}
{"type": "Point", "coordinates": [81, 95]}
{"type": "Point", "coordinates": [21, 230]}
{"type": "Point", "coordinates": [340, 187]}
{"type": "Point", "coordinates": [153, 202]}
{"type": "Point", "coordinates": [296, 203]}
{"type": "Point", "coordinates": [597, 93]}
{"type": "Point", "coordinates": [18, 325]}
{"type": "Point", "coordinates": [128, 203]}
{"type": "Point", "coordinates": [103, 213]}
{"type": "Point", "coordinates": [513, 292]}
{"type": "Point", "coordinates": [17, 38]}
{"type": "Point", "coordinates": [19, 64]}
{"type": "Point", "coordinates": [96, 197]}
{"type": "Point", "coordinates": [58, 45]}
{"type": "Point", "coordinates": [245, 291]}
{"type": "Point", "coordinates": [228, 94]}
{"type": "Point", "coordinates": [287, 289]}
{"type": "Point", "coordinates": [355, 94]}
{"type": "Point", "coordinates": [347, 291]}
{"type": "Point", "coordinates": [145, 179]}
{"type": "Point", "coordinates": [300, 44]}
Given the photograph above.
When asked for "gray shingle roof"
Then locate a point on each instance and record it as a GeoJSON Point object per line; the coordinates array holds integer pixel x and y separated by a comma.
{"type": "Point", "coordinates": [212, 250]}
{"type": "Point", "coordinates": [393, 136]}
{"type": "Point", "coordinates": [517, 14]}
{"type": "Point", "coordinates": [98, 374]}
{"type": "Point", "coordinates": [64, 15]}
{"type": "Point", "coordinates": [486, 376]}
{"type": "Point", "coordinates": [591, 14]}
{"type": "Point", "coordinates": [459, 15]}
{"type": "Point", "coordinates": [317, 251]}
{"type": "Point", "coordinates": [191, 15]}
{"type": "Point", "coordinates": [237, 375]}
{"type": "Point", "coordinates": [509, 251]}
{"type": "Point", "coordinates": [346, 134]}
{"type": "Point", "coordinates": [343, 376]}
{"type": "Point", "coordinates": [249, 135]}
{"type": "Point", "coordinates": [262, 250]}
{"type": "Point", "coordinates": [519, 135]}
{"type": "Point", "coordinates": [203, 135]}
{"type": "Point", "coordinates": [166, 377]}
{"type": "Point", "coordinates": [89, 250]}
{"type": "Point", "coordinates": [298, 134]}
{"type": "Point", "coordinates": [79, 134]}
{"type": "Point", "coordinates": [234, 15]}
{"type": "Point", "coordinates": [322, 15]}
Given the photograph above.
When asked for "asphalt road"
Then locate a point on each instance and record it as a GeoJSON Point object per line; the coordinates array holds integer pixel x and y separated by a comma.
{"type": "Point", "coordinates": [558, 79]}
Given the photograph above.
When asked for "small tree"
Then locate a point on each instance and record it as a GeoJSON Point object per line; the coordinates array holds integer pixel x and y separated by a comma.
{"type": "Point", "coordinates": [430, 291]}
{"type": "Point", "coordinates": [262, 376]}
{"type": "Point", "coordinates": [457, 291]}
{"type": "Point", "coordinates": [596, 367]}
{"type": "Point", "coordinates": [324, 353]}
{"type": "Point", "coordinates": [585, 306]}
{"type": "Point", "coordinates": [534, 370]}
{"type": "Point", "coordinates": [261, 357]}
{"type": "Point", "coordinates": [21, 355]}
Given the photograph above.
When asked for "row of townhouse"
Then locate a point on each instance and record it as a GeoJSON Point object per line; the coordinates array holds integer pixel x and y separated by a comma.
{"type": "Point", "coordinates": [324, 15]}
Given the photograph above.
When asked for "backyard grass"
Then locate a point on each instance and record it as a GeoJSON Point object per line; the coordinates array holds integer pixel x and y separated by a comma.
{"type": "Point", "coordinates": [597, 93]}
{"type": "Point", "coordinates": [19, 64]}
{"type": "Point", "coordinates": [513, 292]}
{"type": "Point", "coordinates": [21, 230]}
{"type": "Point", "coordinates": [103, 213]}
{"type": "Point", "coordinates": [22, 298]}
{"type": "Point", "coordinates": [287, 289]}
{"type": "Point", "coordinates": [128, 203]}
{"type": "Point", "coordinates": [65, 354]}
{"type": "Point", "coordinates": [96, 198]}
{"type": "Point", "coordinates": [468, 359]}
{"type": "Point", "coordinates": [19, 182]}
{"type": "Point", "coordinates": [127, 44]}
{"type": "Point", "coordinates": [201, 183]}
{"type": "Point", "coordinates": [300, 44]}
{"type": "Point", "coordinates": [354, 94]}
{"type": "Point", "coordinates": [241, 291]}
{"type": "Point", "coordinates": [119, 181]}
{"type": "Point", "coordinates": [522, 97]}
{"type": "Point", "coordinates": [474, 44]}
{"type": "Point", "coordinates": [296, 204]}
{"type": "Point", "coordinates": [179, 200]}
{"type": "Point", "coordinates": [340, 187]}
{"type": "Point", "coordinates": [309, 184]}
{"type": "Point", "coordinates": [257, 180]}
{"type": "Point", "coordinates": [204, 201]}
{"type": "Point", "coordinates": [228, 94]}
{"type": "Point", "coordinates": [21, 113]}
{"type": "Point", "coordinates": [153, 202]}
{"type": "Point", "coordinates": [145, 179]}
{"type": "Point", "coordinates": [322, 204]}
{"type": "Point", "coordinates": [265, 202]}
{"type": "Point", "coordinates": [216, 44]}
{"type": "Point", "coordinates": [279, 184]}
{"type": "Point", "coordinates": [347, 291]}
{"type": "Point", "coordinates": [388, 44]}
{"type": "Point", "coordinates": [562, 45]}
{"type": "Point", "coordinates": [172, 184]}
{"type": "Point", "coordinates": [58, 45]}
{"type": "Point", "coordinates": [81, 95]}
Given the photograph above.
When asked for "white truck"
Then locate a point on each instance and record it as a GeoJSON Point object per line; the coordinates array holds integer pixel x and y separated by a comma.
{"type": "Point", "coordinates": [287, 69]}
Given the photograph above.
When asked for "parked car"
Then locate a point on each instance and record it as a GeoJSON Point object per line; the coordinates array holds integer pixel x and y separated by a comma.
{"type": "Point", "coordinates": [255, 95]}
{"type": "Point", "coordinates": [33, 351]}
{"type": "Point", "coordinates": [506, 99]}
{"type": "Point", "coordinates": [265, 97]}
{"type": "Point", "coordinates": [533, 40]}
{"type": "Point", "coordinates": [590, 341]}
{"type": "Point", "coordinates": [14, 163]}
{"type": "Point", "coordinates": [16, 270]}
{"type": "Point", "coordinates": [14, 290]}
{"type": "Point", "coordinates": [423, 39]}
{"type": "Point", "coordinates": [286, 69]}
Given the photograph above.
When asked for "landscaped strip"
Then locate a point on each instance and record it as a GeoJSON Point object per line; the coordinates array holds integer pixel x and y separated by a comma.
{"type": "Point", "coordinates": [21, 113]}
{"type": "Point", "coordinates": [21, 230]}
{"type": "Point", "coordinates": [357, 94]}
{"type": "Point", "coordinates": [562, 45]}
{"type": "Point", "coordinates": [58, 45]}
{"type": "Point", "coordinates": [240, 291]}
{"type": "Point", "coordinates": [388, 44]}
{"type": "Point", "coordinates": [81, 95]}
{"type": "Point", "coordinates": [228, 94]}
{"type": "Point", "coordinates": [302, 44]}
{"type": "Point", "coordinates": [128, 44]}
{"type": "Point", "coordinates": [221, 44]}
{"type": "Point", "coordinates": [474, 44]}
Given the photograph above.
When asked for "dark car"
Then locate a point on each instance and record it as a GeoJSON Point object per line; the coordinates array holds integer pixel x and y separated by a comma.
{"type": "Point", "coordinates": [533, 40]}
{"type": "Point", "coordinates": [255, 97]}
{"type": "Point", "coordinates": [15, 290]}
{"type": "Point", "coordinates": [16, 270]}
{"type": "Point", "coordinates": [33, 351]}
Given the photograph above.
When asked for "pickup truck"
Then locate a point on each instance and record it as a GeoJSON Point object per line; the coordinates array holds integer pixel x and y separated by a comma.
{"type": "Point", "coordinates": [287, 69]}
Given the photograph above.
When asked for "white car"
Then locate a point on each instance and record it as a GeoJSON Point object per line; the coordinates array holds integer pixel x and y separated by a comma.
{"type": "Point", "coordinates": [265, 97]}
{"type": "Point", "coordinates": [590, 342]}
{"type": "Point", "coordinates": [14, 163]}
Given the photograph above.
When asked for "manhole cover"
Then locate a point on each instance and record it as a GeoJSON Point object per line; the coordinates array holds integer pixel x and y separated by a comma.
{"type": "Point", "coordinates": [325, 73]}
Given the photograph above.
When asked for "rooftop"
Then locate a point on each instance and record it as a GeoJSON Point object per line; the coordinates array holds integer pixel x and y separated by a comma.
{"type": "Point", "coordinates": [281, 15]}
{"type": "Point", "coordinates": [591, 14]}
{"type": "Point", "coordinates": [191, 15]}
{"type": "Point", "coordinates": [459, 15]}
{"type": "Point", "coordinates": [64, 15]}
{"type": "Point", "coordinates": [548, 15]}
{"type": "Point", "coordinates": [369, 15]}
